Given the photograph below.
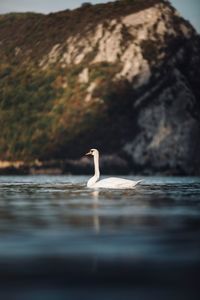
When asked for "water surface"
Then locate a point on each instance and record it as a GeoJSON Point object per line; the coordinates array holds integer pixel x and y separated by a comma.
{"type": "Point", "coordinates": [54, 228]}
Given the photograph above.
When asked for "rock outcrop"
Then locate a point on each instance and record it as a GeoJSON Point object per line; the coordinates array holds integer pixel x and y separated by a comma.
{"type": "Point", "coordinates": [123, 77]}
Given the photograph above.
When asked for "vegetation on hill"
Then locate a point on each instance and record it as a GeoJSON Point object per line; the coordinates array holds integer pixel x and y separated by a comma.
{"type": "Point", "coordinates": [40, 118]}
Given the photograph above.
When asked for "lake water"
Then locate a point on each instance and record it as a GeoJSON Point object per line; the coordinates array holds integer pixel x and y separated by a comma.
{"type": "Point", "coordinates": [61, 240]}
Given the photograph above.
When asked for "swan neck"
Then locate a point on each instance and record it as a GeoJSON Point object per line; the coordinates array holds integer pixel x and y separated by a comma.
{"type": "Point", "coordinates": [96, 166]}
{"type": "Point", "coordinates": [91, 182]}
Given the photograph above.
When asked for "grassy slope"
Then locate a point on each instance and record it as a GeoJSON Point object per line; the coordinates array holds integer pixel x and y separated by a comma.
{"type": "Point", "coordinates": [39, 118]}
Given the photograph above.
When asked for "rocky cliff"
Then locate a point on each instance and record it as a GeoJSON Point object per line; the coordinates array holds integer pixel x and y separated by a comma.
{"type": "Point", "coordinates": [123, 77]}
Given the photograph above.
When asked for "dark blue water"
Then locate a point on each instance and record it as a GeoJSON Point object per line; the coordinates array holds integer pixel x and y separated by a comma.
{"type": "Point", "coordinates": [61, 240]}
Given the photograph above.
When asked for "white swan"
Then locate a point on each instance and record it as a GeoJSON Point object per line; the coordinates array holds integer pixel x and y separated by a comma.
{"type": "Point", "coordinates": [108, 183]}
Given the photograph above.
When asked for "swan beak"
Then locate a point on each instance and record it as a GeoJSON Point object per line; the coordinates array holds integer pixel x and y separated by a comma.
{"type": "Point", "coordinates": [89, 153]}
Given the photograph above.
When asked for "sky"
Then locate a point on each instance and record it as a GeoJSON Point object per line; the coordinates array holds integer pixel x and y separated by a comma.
{"type": "Point", "coordinates": [189, 9]}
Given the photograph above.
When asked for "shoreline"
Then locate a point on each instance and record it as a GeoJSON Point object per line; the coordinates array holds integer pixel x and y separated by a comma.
{"type": "Point", "coordinates": [109, 165]}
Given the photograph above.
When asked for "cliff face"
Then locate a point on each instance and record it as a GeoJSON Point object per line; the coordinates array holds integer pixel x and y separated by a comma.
{"type": "Point", "coordinates": [123, 77]}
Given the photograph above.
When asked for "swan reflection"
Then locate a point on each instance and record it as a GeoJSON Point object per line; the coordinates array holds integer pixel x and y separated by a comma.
{"type": "Point", "coordinates": [96, 219]}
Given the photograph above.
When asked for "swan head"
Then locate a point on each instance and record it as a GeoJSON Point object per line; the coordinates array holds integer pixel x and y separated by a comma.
{"type": "Point", "coordinates": [93, 152]}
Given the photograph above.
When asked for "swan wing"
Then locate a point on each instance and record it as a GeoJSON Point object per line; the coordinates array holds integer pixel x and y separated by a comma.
{"type": "Point", "coordinates": [116, 183]}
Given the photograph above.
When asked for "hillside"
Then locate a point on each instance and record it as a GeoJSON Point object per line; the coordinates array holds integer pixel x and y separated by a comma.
{"type": "Point", "coordinates": [123, 77]}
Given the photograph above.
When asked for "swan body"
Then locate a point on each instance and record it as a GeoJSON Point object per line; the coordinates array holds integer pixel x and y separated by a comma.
{"type": "Point", "coordinates": [108, 183]}
{"type": "Point", "coordinates": [114, 183]}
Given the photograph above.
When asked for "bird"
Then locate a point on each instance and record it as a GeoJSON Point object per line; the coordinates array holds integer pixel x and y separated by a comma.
{"type": "Point", "coordinates": [107, 183]}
